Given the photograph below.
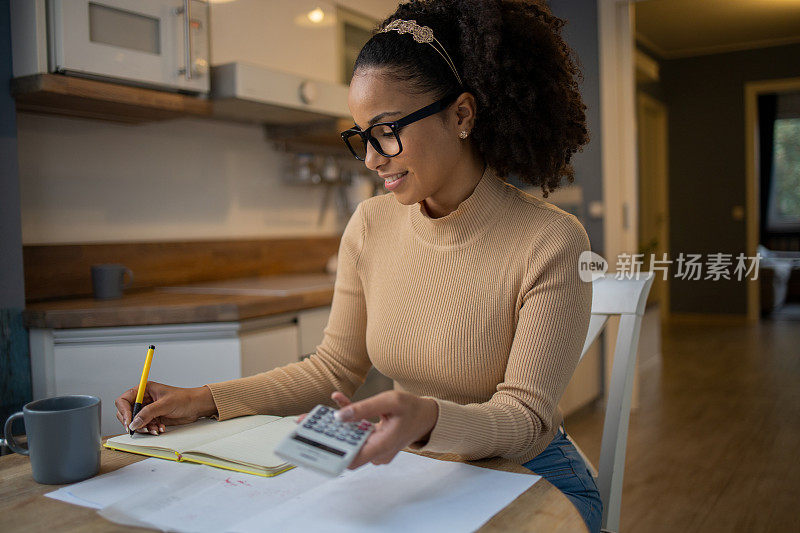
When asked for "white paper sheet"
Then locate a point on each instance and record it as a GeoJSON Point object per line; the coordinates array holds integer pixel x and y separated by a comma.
{"type": "Point", "coordinates": [209, 500]}
{"type": "Point", "coordinates": [104, 490]}
{"type": "Point", "coordinates": [412, 493]}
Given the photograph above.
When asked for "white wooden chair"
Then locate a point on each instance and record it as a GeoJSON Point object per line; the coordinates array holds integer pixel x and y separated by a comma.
{"type": "Point", "coordinates": [625, 298]}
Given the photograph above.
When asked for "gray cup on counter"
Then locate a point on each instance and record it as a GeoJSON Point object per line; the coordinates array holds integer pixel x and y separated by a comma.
{"type": "Point", "coordinates": [63, 438]}
{"type": "Point", "coordinates": [108, 280]}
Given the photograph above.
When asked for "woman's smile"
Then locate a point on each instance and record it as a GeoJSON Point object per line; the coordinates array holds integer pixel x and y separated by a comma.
{"type": "Point", "coordinates": [393, 181]}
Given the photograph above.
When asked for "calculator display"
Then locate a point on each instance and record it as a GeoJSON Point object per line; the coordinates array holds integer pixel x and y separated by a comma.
{"type": "Point", "coordinates": [318, 445]}
{"type": "Point", "coordinates": [322, 443]}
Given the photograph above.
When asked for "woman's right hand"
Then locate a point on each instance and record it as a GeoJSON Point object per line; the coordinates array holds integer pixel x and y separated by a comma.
{"type": "Point", "coordinates": [164, 405]}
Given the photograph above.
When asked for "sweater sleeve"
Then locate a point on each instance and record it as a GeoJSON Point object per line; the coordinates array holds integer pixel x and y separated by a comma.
{"type": "Point", "coordinates": [552, 323]}
{"type": "Point", "coordinates": [340, 362]}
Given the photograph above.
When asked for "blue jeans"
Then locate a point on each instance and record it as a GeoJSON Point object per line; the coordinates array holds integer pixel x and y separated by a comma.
{"type": "Point", "coordinates": [561, 465]}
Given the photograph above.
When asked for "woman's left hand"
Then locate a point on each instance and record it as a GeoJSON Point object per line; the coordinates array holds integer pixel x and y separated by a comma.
{"type": "Point", "coordinates": [404, 419]}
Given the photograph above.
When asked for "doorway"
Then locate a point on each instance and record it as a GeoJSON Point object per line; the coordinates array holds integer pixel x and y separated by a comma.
{"type": "Point", "coordinates": [777, 271]}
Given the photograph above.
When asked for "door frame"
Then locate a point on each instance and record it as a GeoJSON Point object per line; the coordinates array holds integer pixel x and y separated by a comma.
{"type": "Point", "coordinates": [617, 63]}
{"type": "Point", "coordinates": [662, 183]}
{"type": "Point", "coordinates": [616, 30]}
{"type": "Point", "coordinates": [752, 164]}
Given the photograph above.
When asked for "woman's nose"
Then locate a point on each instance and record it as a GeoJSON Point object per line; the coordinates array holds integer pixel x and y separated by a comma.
{"type": "Point", "coordinates": [373, 159]}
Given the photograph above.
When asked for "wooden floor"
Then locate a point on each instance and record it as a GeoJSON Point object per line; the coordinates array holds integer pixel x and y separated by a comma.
{"type": "Point", "coordinates": [715, 443]}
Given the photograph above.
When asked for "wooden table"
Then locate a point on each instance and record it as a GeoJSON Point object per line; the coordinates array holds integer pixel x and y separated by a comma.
{"type": "Point", "coordinates": [23, 506]}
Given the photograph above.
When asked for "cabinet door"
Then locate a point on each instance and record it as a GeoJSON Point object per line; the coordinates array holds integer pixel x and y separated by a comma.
{"type": "Point", "coordinates": [311, 327]}
{"type": "Point", "coordinates": [107, 369]}
{"type": "Point", "coordinates": [268, 348]}
{"type": "Point", "coordinates": [279, 35]}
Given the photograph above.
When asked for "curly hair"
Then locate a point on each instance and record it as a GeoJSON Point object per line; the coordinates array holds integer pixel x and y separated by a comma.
{"type": "Point", "coordinates": [530, 117]}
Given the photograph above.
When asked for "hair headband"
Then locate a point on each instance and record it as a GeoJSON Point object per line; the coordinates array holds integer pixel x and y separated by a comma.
{"type": "Point", "coordinates": [422, 34]}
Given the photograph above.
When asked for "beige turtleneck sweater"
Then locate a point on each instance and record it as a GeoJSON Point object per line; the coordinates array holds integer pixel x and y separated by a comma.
{"type": "Point", "coordinates": [482, 310]}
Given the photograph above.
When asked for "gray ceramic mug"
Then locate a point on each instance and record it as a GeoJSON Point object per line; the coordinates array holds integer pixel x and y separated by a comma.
{"type": "Point", "coordinates": [63, 438]}
{"type": "Point", "coordinates": [108, 280]}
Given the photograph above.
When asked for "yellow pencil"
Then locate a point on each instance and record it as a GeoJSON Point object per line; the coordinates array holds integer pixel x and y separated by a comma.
{"type": "Point", "coordinates": [142, 383]}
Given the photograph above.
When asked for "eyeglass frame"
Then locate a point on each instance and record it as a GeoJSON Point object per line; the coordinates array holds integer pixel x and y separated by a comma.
{"type": "Point", "coordinates": [395, 125]}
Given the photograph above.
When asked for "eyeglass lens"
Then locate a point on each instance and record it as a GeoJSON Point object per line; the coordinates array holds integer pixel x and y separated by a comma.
{"type": "Point", "coordinates": [383, 136]}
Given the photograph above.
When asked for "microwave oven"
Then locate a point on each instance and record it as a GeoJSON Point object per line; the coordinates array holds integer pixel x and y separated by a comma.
{"type": "Point", "coordinates": [161, 44]}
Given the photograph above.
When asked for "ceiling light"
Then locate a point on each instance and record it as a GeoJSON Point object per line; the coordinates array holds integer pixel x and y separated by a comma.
{"type": "Point", "coordinates": [316, 15]}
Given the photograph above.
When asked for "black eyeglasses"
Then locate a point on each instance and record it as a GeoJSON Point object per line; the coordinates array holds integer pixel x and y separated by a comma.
{"type": "Point", "coordinates": [387, 139]}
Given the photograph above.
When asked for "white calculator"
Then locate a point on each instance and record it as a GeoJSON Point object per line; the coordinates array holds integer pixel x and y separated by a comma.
{"type": "Point", "coordinates": [322, 443]}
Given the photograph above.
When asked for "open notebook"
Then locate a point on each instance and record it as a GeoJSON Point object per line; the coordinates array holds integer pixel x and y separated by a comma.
{"type": "Point", "coordinates": [242, 444]}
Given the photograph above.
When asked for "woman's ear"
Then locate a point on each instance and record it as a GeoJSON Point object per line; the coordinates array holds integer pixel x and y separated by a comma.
{"type": "Point", "coordinates": [465, 111]}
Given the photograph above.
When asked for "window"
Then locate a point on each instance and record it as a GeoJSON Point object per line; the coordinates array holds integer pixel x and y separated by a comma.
{"type": "Point", "coordinates": [784, 196]}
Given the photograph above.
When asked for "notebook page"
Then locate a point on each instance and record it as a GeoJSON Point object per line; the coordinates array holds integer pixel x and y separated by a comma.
{"type": "Point", "coordinates": [252, 446]}
{"type": "Point", "coordinates": [182, 438]}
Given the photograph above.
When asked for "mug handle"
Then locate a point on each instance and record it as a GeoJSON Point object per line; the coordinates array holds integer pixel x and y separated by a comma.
{"type": "Point", "coordinates": [10, 438]}
{"type": "Point", "coordinates": [130, 281]}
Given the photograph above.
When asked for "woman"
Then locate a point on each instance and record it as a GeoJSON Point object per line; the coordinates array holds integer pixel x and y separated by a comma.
{"type": "Point", "coordinates": [458, 286]}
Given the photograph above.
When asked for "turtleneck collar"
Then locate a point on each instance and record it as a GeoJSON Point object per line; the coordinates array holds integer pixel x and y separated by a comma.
{"type": "Point", "coordinates": [469, 220]}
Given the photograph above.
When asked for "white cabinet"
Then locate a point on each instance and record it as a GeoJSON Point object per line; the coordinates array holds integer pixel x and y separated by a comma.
{"type": "Point", "coordinates": [311, 327]}
{"type": "Point", "coordinates": [265, 348]}
{"type": "Point", "coordinates": [276, 35]}
{"type": "Point", "coordinates": [309, 38]}
{"type": "Point", "coordinates": [106, 361]}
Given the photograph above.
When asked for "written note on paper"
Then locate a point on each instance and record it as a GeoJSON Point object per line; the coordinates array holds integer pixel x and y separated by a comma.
{"type": "Point", "coordinates": [209, 502]}
{"type": "Point", "coordinates": [412, 493]}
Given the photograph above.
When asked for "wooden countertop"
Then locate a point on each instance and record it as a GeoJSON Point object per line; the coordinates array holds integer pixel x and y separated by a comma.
{"type": "Point", "coordinates": [223, 301]}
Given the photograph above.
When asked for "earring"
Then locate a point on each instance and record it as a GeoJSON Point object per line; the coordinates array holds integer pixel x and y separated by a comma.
{"type": "Point", "coordinates": [463, 135]}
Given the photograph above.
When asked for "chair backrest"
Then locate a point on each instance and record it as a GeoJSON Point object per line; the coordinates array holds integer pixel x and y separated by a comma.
{"type": "Point", "coordinates": [626, 298]}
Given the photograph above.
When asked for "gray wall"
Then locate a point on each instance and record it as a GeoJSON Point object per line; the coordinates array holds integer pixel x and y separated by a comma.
{"type": "Point", "coordinates": [15, 385]}
{"type": "Point", "coordinates": [705, 99]}
{"type": "Point", "coordinates": [580, 33]}
{"type": "Point", "coordinates": [11, 281]}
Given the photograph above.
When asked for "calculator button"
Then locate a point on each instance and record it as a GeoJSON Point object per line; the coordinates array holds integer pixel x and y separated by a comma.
{"type": "Point", "coordinates": [329, 433]}
{"type": "Point", "coordinates": [318, 429]}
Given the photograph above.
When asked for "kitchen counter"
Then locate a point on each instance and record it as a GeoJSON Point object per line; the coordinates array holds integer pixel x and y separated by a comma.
{"type": "Point", "coordinates": [221, 301]}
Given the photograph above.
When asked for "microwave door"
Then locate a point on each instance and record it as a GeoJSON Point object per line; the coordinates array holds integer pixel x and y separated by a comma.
{"type": "Point", "coordinates": [134, 41]}
{"type": "Point", "coordinates": [190, 67]}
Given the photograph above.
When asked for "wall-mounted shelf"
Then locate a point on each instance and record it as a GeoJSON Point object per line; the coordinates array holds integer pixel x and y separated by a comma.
{"type": "Point", "coordinates": [56, 94]}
